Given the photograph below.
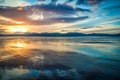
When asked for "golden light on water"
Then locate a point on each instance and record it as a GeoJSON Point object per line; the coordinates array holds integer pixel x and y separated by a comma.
{"type": "Point", "coordinates": [18, 45]}
{"type": "Point", "coordinates": [12, 48]}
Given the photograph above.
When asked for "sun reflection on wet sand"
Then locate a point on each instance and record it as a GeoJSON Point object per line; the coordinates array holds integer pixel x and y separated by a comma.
{"type": "Point", "coordinates": [52, 53]}
{"type": "Point", "coordinates": [22, 46]}
{"type": "Point", "coordinates": [18, 45]}
{"type": "Point", "coordinates": [12, 48]}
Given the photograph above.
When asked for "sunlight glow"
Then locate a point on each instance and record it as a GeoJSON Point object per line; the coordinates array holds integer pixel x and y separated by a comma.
{"type": "Point", "coordinates": [19, 29]}
{"type": "Point", "coordinates": [2, 18]}
{"type": "Point", "coordinates": [18, 45]}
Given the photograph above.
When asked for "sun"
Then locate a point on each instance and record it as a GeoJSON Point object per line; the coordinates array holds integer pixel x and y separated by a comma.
{"type": "Point", "coordinates": [19, 29]}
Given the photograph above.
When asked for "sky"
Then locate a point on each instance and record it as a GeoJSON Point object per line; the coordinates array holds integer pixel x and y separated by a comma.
{"type": "Point", "coordinates": [84, 16]}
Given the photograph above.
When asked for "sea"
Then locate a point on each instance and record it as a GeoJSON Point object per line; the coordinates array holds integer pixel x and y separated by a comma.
{"type": "Point", "coordinates": [59, 58]}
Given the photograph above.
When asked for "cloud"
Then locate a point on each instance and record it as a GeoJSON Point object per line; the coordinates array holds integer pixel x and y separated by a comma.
{"type": "Point", "coordinates": [60, 15]}
{"type": "Point", "coordinates": [57, 20]}
{"type": "Point", "coordinates": [13, 3]}
{"type": "Point", "coordinates": [110, 20]}
{"type": "Point", "coordinates": [107, 30]}
{"type": "Point", "coordinates": [60, 9]}
{"type": "Point", "coordinates": [64, 19]}
{"type": "Point", "coordinates": [8, 21]}
{"type": "Point", "coordinates": [94, 2]}
{"type": "Point", "coordinates": [31, 14]}
{"type": "Point", "coordinates": [3, 30]}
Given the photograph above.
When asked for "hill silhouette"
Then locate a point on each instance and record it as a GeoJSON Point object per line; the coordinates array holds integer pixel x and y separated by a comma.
{"type": "Point", "coordinates": [70, 34]}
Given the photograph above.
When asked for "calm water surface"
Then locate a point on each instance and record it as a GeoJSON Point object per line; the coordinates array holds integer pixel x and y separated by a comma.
{"type": "Point", "coordinates": [59, 58]}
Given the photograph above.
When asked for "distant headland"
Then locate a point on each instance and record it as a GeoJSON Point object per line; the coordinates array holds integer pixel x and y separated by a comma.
{"type": "Point", "coordinates": [69, 34]}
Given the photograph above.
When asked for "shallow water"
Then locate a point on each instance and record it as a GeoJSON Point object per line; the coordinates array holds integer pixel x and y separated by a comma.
{"type": "Point", "coordinates": [59, 58]}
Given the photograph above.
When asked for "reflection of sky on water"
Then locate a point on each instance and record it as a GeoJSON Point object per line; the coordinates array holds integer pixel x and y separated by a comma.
{"type": "Point", "coordinates": [21, 57]}
{"type": "Point", "coordinates": [20, 74]}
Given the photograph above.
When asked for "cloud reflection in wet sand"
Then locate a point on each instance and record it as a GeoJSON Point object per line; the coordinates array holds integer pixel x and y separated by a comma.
{"type": "Point", "coordinates": [25, 57]}
{"type": "Point", "coordinates": [23, 47]}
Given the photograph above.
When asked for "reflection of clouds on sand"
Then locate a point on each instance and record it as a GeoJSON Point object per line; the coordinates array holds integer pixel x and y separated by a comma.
{"type": "Point", "coordinates": [37, 59]}
{"type": "Point", "coordinates": [13, 73]}
{"type": "Point", "coordinates": [13, 48]}
{"type": "Point", "coordinates": [18, 45]}
{"type": "Point", "coordinates": [106, 50]}
{"type": "Point", "coordinates": [41, 53]}
{"type": "Point", "coordinates": [15, 43]}
{"type": "Point", "coordinates": [26, 74]}
{"type": "Point", "coordinates": [23, 47]}
{"type": "Point", "coordinates": [48, 45]}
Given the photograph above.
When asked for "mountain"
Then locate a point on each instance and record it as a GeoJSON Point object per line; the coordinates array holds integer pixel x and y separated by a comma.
{"type": "Point", "coordinates": [70, 34]}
